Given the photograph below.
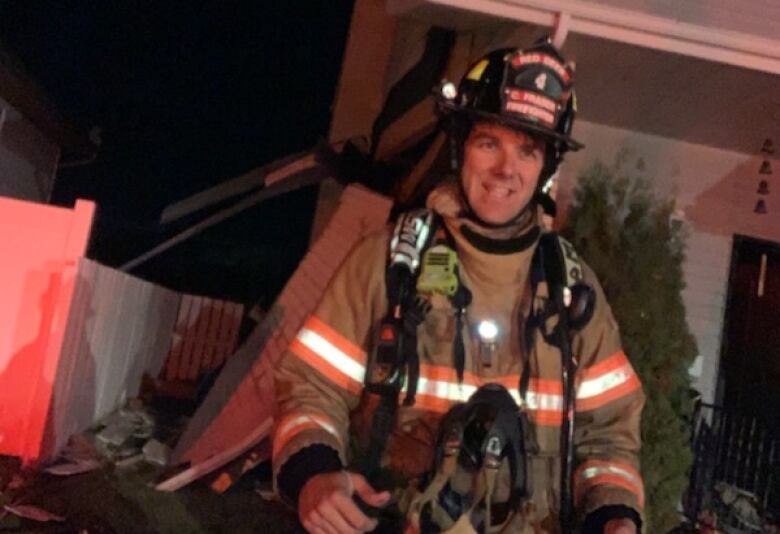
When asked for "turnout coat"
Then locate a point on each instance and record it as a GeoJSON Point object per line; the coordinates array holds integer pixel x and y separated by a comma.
{"type": "Point", "coordinates": [319, 382]}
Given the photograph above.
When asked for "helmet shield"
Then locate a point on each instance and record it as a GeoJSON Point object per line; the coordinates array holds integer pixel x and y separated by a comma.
{"type": "Point", "coordinates": [529, 90]}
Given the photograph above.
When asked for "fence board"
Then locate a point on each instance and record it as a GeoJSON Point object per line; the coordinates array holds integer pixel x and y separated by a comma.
{"type": "Point", "coordinates": [206, 334]}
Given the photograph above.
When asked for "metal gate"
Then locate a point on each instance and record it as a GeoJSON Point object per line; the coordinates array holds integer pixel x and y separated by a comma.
{"type": "Point", "coordinates": [735, 478]}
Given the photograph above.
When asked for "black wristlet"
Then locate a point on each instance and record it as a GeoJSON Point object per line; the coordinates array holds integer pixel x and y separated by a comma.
{"type": "Point", "coordinates": [596, 520]}
{"type": "Point", "coordinates": [301, 466]}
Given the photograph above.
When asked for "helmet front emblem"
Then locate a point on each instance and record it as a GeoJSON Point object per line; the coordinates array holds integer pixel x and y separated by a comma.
{"type": "Point", "coordinates": [541, 81]}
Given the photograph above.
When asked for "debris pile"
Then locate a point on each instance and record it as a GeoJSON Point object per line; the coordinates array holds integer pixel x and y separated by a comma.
{"type": "Point", "coordinates": [127, 437]}
{"type": "Point", "coordinates": [134, 434]}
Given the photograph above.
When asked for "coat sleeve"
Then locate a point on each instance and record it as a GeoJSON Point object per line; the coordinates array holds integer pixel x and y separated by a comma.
{"type": "Point", "coordinates": [609, 405]}
{"type": "Point", "coordinates": [319, 378]}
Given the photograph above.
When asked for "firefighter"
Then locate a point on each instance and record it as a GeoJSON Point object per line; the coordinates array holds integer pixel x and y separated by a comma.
{"type": "Point", "coordinates": [509, 122]}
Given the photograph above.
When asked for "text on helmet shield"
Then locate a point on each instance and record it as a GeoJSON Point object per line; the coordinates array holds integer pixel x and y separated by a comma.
{"type": "Point", "coordinates": [542, 59]}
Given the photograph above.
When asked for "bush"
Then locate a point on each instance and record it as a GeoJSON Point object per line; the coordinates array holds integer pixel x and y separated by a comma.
{"type": "Point", "coordinates": [628, 237]}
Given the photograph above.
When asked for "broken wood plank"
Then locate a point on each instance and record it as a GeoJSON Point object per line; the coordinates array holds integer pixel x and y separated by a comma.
{"type": "Point", "coordinates": [236, 186]}
{"type": "Point", "coordinates": [196, 471]}
{"type": "Point", "coordinates": [309, 176]}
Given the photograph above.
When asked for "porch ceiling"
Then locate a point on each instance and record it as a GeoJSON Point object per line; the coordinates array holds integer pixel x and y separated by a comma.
{"type": "Point", "coordinates": [674, 96]}
{"type": "Point", "coordinates": [649, 88]}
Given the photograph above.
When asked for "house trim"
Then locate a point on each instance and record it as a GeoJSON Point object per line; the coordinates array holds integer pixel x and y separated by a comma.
{"type": "Point", "coordinates": [627, 26]}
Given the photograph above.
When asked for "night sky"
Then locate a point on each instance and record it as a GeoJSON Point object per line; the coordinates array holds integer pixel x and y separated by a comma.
{"type": "Point", "coordinates": [187, 94]}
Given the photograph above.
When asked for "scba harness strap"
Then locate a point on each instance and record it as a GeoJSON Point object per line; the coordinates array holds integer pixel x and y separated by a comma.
{"type": "Point", "coordinates": [393, 359]}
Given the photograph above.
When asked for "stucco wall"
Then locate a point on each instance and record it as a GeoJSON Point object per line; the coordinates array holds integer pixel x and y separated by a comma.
{"type": "Point", "coordinates": [28, 161]}
{"type": "Point", "coordinates": [715, 193]}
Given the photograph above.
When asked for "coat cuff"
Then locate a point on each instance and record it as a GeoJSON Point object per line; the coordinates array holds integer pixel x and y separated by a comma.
{"type": "Point", "coordinates": [300, 467]}
{"type": "Point", "coordinates": [597, 519]}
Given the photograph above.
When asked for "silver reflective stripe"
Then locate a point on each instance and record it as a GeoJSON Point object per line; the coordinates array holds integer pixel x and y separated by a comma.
{"type": "Point", "coordinates": [455, 392]}
{"type": "Point", "coordinates": [544, 401]}
{"type": "Point", "coordinates": [301, 419]}
{"type": "Point", "coordinates": [332, 354]}
{"type": "Point", "coordinates": [451, 391]}
{"type": "Point", "coordinates": [289, 429]}
{"type": "Point", "coordinates": [601, 384]}
{"type": "Point", "coordinates": [592, 472]}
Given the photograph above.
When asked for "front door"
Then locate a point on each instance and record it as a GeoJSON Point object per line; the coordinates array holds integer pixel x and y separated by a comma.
{"type": "Point", "coordinates": [750, 361]}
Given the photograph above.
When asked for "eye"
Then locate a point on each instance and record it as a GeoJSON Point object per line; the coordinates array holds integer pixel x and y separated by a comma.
{"type": "Point", "coordinates": [529, 151]}
{"type": "Point", "coordinates": [487, 143]}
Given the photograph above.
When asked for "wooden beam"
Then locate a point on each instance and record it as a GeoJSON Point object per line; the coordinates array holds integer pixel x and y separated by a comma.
{"type": "Point", "coordinates": [221, 458]}
{"type": "Point", "coordinates": [253, 179]}
{"type": "Point", "coordinates": [361, 90]}
{"type": "Point", "coordinates": [306, 176]}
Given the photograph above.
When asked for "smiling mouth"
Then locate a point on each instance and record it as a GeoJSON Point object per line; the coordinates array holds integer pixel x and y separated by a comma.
{"type": "Point", "coordinates": [497, 191]}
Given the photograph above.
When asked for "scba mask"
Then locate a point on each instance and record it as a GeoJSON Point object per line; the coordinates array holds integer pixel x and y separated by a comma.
{"type": "Point", "coordinates": [480, 475]}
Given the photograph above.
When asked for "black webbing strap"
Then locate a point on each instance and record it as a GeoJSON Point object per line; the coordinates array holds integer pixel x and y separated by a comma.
{"type": "Point", "coordinates": [548, 265]}
{"type": "Point", "coordinates": [460, 301]}
{"type": "Point", "coordinates": [416, 84]}
{"type": "Point", "coordinates": [405, 313]}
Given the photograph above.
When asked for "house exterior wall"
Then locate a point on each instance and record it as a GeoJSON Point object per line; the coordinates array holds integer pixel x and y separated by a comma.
{"type": "Point", "coordinates": [715, 194]}
{"type": "Point", "coordinates": [28, 161]}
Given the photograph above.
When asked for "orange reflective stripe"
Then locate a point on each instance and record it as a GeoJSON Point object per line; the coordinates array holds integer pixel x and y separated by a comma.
{"type": "Point", "coordinates": [297, 422]}
{"type": "Point", "coordinates": [544, 385]}
{"type": "Point", "coordinates": [605, 382]}
{"type": "Point", "coordinates": [602, 472]}
{"type": "Point", "coordinates": [619, 359]}
{"type": "Point", "coordinates": [333, 355]}
{"type": "Point", "coordinates": [546, 417]}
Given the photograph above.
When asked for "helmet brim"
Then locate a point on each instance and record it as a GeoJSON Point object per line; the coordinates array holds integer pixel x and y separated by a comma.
{"type": "Point", "coordinates": [515, 123]}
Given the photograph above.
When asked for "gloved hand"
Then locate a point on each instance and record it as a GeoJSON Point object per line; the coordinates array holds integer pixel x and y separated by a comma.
{"type": "Point", "coordinates": [325, 504]}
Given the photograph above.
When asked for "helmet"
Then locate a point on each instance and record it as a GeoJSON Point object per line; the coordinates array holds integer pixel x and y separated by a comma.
{"type": "Point", "coordinates": [529, 90]}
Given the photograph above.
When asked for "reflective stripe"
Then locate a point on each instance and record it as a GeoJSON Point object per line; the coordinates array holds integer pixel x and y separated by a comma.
{"type": "Point", "coordinates": [451, 391]}
{"type": "Point", "coordinates": [600, 472]}
{"type": "Point", "coordinates": [343, 363]}
{"type": "Point", "coordinates": [606, 381]}
{"type": "Point", "coordinates": [438, 389]}
{"type": "Point", "coordinates": [332, 354]}
{"type": "Point", "coordinates": [295, 423]}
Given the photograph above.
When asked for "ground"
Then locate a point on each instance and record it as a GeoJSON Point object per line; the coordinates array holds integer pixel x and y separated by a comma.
{"type": "Point", "coordinates": [116, 500]}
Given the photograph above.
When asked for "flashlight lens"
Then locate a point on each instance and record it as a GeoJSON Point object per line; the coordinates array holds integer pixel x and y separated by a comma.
{"type": "Point", "coordinates": [449, 91]}
{"type": "Point", "coordinates": [487, 330]}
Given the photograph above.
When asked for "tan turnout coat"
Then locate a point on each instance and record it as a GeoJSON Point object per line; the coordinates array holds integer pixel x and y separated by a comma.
{"type": "Point", "coordinates": [319, 382]}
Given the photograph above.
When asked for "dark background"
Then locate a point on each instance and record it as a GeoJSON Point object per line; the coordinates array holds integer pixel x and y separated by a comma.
{"type": "Point", "coordinates": [187, 94]}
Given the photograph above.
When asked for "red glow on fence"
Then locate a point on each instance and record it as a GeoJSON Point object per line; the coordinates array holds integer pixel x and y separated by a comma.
{"type": "Point", "coordinates": [39, 250]}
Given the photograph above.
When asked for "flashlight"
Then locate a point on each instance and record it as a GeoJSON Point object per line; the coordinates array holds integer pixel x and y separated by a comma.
{"type": "Point", "coordinates": [487, 331]}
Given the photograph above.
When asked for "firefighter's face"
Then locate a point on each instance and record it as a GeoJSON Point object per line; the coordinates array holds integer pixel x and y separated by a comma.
{"type": "Point", "coordinates": [501, 168]}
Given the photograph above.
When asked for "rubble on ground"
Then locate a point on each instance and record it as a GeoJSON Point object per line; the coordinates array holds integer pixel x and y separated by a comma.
{"type": "Point", "coordinates": [132, 435]}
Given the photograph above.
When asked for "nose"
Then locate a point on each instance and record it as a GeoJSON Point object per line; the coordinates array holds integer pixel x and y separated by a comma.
{"type": "Point", "coordinates": [506, 163]}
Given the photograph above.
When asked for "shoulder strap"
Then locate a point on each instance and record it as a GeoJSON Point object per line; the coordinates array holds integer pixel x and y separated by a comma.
{"type": "Point", "coordinates": [556, 262]}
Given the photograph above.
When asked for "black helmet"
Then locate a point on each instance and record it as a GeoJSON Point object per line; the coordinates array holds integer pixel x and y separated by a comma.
{"type": "Point", "coordinates": [529, 90]}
